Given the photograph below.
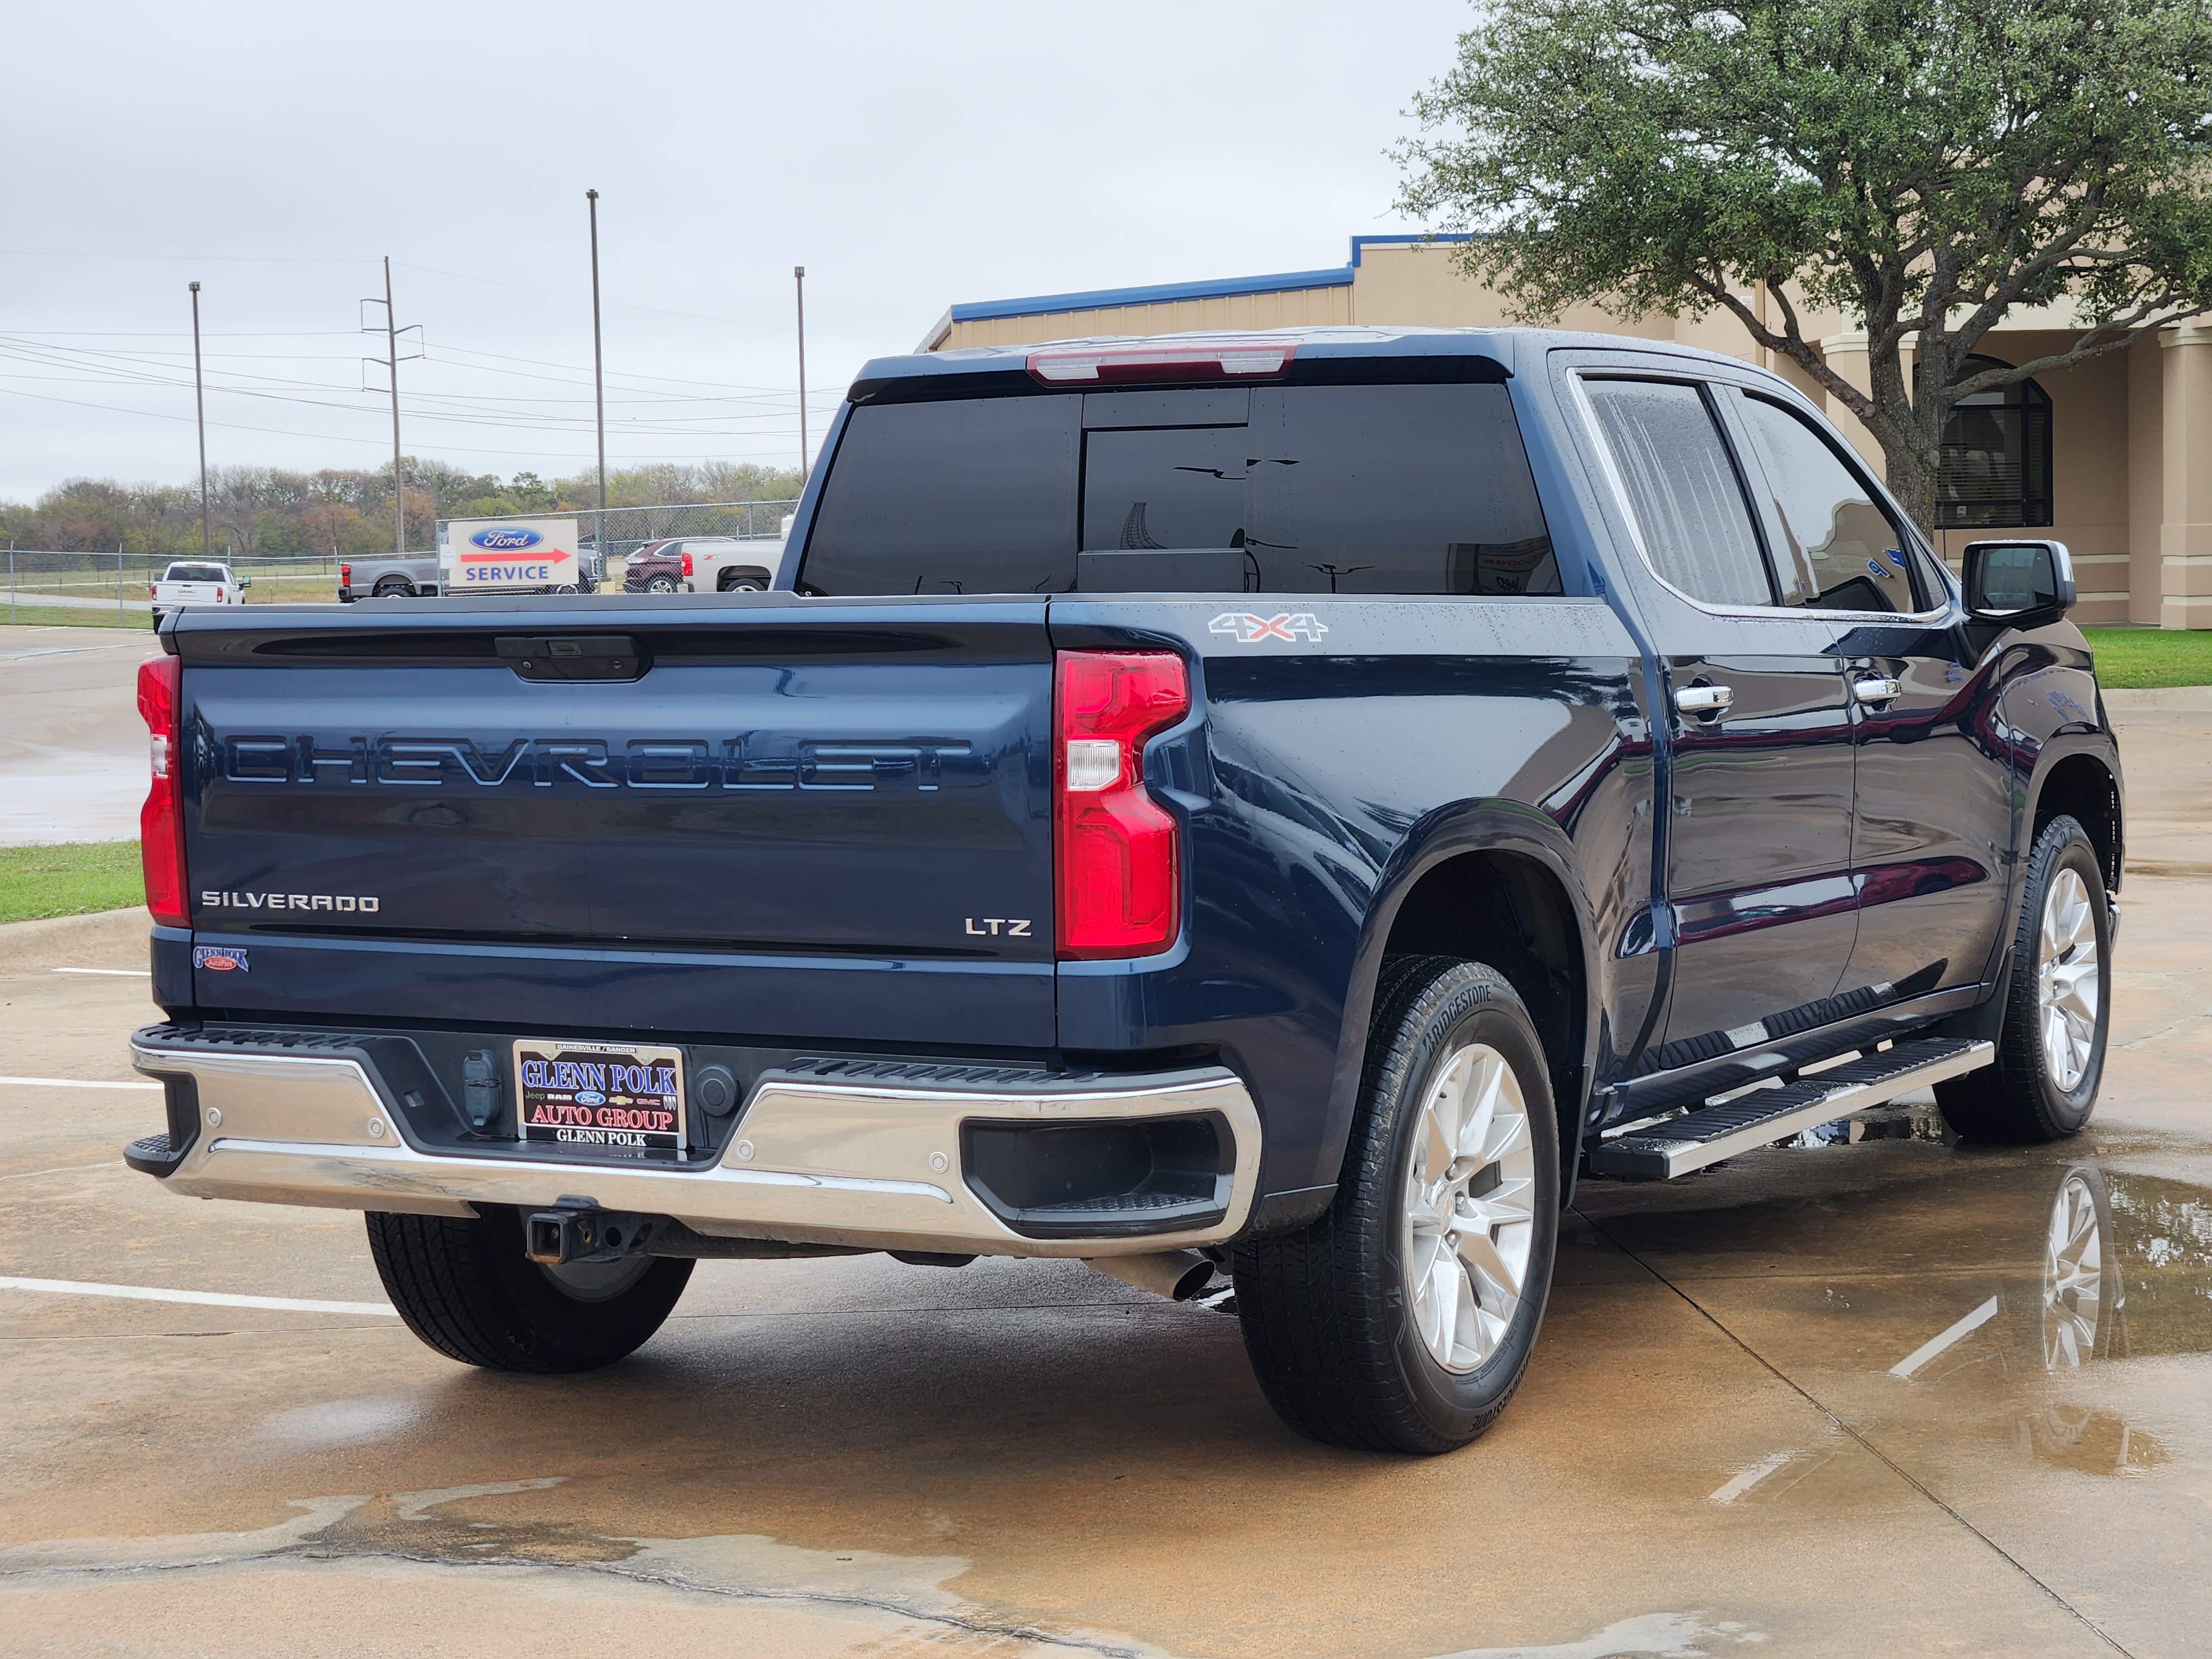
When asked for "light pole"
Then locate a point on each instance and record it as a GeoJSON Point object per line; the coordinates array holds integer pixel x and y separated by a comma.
{"type": "Point", "coordinates": [398, 490]}
{"type": "Point", "coordinates": [598, 393]}
{"type": "Point", "coordinates": [798, 280]}
{"type": "Point", "coordinates": [199, 406]}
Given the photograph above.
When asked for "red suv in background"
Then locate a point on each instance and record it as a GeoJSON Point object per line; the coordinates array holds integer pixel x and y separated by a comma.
{"type": "Point", "coordinates": [655, 568]}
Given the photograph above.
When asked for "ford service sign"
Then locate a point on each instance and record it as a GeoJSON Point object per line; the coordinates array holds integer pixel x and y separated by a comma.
{"type": "Point", "coordinates": [494, 556]}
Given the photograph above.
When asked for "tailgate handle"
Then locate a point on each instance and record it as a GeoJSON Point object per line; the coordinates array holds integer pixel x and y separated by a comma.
{"type": "Point", "coordinates": [568, 657]}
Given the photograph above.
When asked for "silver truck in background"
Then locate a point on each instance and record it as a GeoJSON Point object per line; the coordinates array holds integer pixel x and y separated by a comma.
{"type": "Point", "coordinates": [415, 576]}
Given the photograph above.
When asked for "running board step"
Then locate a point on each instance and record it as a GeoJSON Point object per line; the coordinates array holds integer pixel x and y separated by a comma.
{"type": "Point", "coordinates": [1763, 1116]}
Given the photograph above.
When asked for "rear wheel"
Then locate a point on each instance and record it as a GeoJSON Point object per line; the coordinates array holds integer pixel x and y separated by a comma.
{"type": "Point", "coordinates": [1403, 1319]}
{"type": "Point", "coordinates": [2051, 1050]}
{"type": "Point", "coordinates": [661, 585]}
{"type": "Point", "coordinates": [467, 1289]}
{"type": "Point", "coordinates": [394, 587]}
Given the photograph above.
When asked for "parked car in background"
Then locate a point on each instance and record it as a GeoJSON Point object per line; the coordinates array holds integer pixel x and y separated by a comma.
{"type": "Point", "coordinates": [723, 564]}
{"type": "Point", "coordinates": [196, 582]}
{"type": "Point", "coordinates": [413, 577]}
{"type": "Point", "coordinates": [656, 568]}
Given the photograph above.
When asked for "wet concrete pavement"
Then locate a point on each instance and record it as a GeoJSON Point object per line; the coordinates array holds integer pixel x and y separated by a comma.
{"type": "Point", "coordinates": [1835, 1399]}
{"type": "Point", "coordinates": [72, 748]}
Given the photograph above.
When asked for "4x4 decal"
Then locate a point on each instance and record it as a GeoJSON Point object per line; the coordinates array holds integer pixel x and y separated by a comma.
{"type": "Point", "coordinates": [1248, 629]}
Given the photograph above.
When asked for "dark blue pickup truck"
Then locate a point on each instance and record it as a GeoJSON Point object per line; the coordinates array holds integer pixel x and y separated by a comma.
{"type": "Point", "coordinates": [1281, 804]}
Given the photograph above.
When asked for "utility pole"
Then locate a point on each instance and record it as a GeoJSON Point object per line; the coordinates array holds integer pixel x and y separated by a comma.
{"type": "Point", "coordinates": [199, 406]}
{"type": "Point", "coordinates": [598, 393]}
{"type": "Point", "coordinates": [391, 331]}
{"type": "Point", "coordinates": [798, 280]}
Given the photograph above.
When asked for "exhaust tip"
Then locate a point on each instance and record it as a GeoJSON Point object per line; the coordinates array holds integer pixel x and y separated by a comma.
{"type": "Point", "coordinates": [1178, 1275]}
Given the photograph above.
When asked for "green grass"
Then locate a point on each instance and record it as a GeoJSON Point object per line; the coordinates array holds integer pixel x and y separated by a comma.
{"type": "Point", "coordinates": [56, 616]}
{"type": "Point", "coordinates": [2141, 659]}
{"type": "Point", "coordinates": [72, 879]}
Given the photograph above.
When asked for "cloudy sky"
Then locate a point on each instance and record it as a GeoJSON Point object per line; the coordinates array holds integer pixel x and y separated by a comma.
{"type": "Point", "coordinates": [909, 155]}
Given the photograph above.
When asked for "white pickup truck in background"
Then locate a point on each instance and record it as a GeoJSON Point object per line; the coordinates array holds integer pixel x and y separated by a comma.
{"type": "Point", "coordinates": [196, 582]}
{"type": "Point", "coordinates": [716, 564]}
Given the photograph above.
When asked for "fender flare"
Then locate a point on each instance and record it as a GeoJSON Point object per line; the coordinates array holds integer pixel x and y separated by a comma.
{"type": "Point", "coordinates": [1449, 832]}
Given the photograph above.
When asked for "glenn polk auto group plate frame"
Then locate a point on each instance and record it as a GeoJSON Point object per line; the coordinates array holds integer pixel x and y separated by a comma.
{"type": "Point", "coordinates": [619, 1099]}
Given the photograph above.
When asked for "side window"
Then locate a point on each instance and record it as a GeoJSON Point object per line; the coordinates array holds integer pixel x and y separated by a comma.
{"type": "Point", "coordinates": [1683, 488]}
{"type": "Point", "coordinates": [1849, 554]}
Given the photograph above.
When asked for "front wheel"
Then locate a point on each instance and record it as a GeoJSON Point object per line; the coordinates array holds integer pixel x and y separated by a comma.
{"type": "Point", "coordinates": [467, 1288]}
{"type": "Point", "coordinates": [2051, 1050]}
{"type": "Point", "coordinates": [1403, 1319]}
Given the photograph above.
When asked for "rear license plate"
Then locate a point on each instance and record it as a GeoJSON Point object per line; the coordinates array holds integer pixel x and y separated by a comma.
{"type": "Point", "coordinates": [621, 1100]}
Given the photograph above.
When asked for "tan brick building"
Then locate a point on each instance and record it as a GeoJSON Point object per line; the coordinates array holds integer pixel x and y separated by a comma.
{"type": "Point", "coordinates": [2113, 458]}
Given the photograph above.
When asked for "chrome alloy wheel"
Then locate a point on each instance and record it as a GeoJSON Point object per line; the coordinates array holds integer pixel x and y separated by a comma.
{"type": "Point", "coordinates": [1469, 1212]}
{"type": "Point", "coordinates": [599, 1281]}
{"type": "Point", "coordinates": [2066, 985]}
{"type": "Point", "coordinates": [2073, 1278]}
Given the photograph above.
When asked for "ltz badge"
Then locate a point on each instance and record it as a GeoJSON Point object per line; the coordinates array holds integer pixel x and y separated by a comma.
{"type": "Point", "coordinates": [614, 1099]}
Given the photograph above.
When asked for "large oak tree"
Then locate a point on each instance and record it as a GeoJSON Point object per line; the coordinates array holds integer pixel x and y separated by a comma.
{"type": "Point", "coordinates": [1926, 167]}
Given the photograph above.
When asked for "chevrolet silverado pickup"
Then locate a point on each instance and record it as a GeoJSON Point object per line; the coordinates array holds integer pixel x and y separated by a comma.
{"type": "Point", "coordinates": [193, 581]}
{"type": "Point", "coordinates": [1281, 806]}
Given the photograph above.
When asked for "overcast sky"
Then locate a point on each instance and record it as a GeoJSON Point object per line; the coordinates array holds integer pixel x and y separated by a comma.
{"type": "Point", "coordinates": [909, 155]}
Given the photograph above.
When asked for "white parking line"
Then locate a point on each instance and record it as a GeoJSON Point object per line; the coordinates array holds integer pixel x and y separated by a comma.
{"type": "Point", "coordinates": [197, 1298]}
{"type": "Point", "coordinates": [1751, 1477]}
{"type": "Point", "coordinates": [120, 973]}
{"type": "Point", "coordinates": [1935, 1344]}
{"type": "Point", "coordinates": [72, 1082]}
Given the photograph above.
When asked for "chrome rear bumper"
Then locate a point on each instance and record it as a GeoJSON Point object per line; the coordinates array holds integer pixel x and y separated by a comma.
{"type": "Point", "coordinates": [810, 1161]}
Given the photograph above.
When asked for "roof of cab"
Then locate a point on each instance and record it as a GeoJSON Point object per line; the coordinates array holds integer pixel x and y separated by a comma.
{"type": "Point", "coordinates": [1509, 347]}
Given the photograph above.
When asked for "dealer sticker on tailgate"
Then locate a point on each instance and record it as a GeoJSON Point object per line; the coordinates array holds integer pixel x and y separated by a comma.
{"type": "Point", "coordinates": [623, 1099]}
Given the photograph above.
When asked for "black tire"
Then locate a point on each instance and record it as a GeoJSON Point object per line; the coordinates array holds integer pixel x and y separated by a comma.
{"type": "Point", "coordinates": [1328, 1320]}
{"type": "Point", "coordinates": [2018, 1100]}
{"type": "Point", "coordinates": [660, 585]}
{"type": "Point", "coordinates": [467, 1289]}
{"type": "Point", "coordinates": [394, 587]}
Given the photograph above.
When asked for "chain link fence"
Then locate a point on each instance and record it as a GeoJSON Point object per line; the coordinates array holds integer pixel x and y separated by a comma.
{"type": "Point", "coordinates": [628, 528]}
{"type": "Point", "coordinates": [108, 590]}
{"type": "Point", "coordinates": [114, 589]}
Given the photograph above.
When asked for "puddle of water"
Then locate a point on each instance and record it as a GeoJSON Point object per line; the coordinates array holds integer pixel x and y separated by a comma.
{"type": "Point", "coordinates": [1652, 1636]}
{"type": "Point", "coordinates": [904, 1596]}
{"type": "Point", "coordinates": [343, 1422]}
{"type": "Point", "coordinates": [2076, 1437]}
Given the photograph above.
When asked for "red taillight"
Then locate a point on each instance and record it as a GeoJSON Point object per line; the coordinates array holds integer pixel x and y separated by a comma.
{"type": "Point", "coordinates": [1178, 359]}
{"type": "Point", "coordinates": [161, 820]}
{"type": "Point", "coordinates": [1114, 849]}
{"type": "Point", "coordinates": [687, 564]}
{"type": "Point", "coordinates": [345, 575]}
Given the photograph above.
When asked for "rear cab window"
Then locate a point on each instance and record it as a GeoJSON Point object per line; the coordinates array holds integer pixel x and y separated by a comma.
{"type": "Point", "coordinates": [1301, 487]}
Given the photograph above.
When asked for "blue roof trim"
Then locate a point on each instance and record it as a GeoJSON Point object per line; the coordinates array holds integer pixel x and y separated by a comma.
{"type": "Point", "coordinates": [1107, 299]}
{"type": "Point", "coordinates": [1402, 237]}
{"type": "Point", "coordinates": [1103, 299]}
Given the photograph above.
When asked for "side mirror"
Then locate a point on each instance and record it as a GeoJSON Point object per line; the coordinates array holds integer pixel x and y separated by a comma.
{"type": "Point", "coordinates": [246, 582]}
{"type": "Point", "coordinates": [2019, 584]}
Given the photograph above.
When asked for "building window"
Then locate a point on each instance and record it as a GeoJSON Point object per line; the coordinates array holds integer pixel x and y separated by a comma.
{"type": "Point", "coordinates": [1996, 469]}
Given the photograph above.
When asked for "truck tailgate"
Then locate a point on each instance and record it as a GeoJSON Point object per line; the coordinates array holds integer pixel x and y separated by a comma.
{"type": "Point", "coordinates": [630, 817]}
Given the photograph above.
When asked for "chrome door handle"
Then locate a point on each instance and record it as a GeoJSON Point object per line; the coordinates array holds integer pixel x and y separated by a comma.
{"type": "Point", "coordinates": [1881, 689]}
{"type": "Point", "coordinates": [1703, 701]}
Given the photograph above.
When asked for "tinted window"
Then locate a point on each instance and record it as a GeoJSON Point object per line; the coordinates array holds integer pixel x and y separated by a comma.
{"type": "Point", "coordinates": [972, 496]}
{"type": "Point", "coordinates": [1683, 489]}
{"type": "Point", "coordinates": [1349, 488]}
{"type": "Point", "coordinates": [1394, 489]}
{"type": "Point", "coordinates": [1849, 554]}
{"type": "Point", "coordinates": [194, 572]}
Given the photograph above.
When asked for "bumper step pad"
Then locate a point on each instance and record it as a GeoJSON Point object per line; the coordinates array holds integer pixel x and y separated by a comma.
{"type": "Point", "coordinates": [1661, 1151]}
